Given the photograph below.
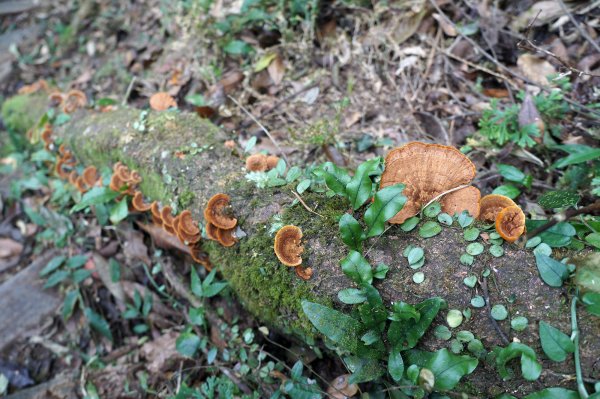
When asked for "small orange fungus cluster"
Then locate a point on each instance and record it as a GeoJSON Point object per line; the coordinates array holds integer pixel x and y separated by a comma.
{"type": "Point", "coordinates": [429, 170]}
{"type": "Point", "coordinates": [508, 216]}
{"type": "Point", "coordinates": [261, 162]}
{"type": "Point", "coordinates": [162, 101]}
{"type": "Point", "coordinates": [183, 226]}
{"type": "Point", "coordinates": [124, 180]}
{"type": "Point", "coordinates": [289, 250]}
{"type": "Point", "coordinates": [40, 85]}
{"type": "Point", "coordinates": [220, 224]}
{"type": "Point", "coordinates": [69, 102]}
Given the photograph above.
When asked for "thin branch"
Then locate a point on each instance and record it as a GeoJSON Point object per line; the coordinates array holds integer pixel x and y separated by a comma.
{"type": "Point", "coordinates": [484, 288]}
{"type": "Point", "coordinates": [128, 92]}
{"type": "Point", "coordinates": [577, 26]}
{"type": "Point", "coordinates": [441, 195]}
{"type": "Point", "coordinates": [304, 204]}
{"type": "Point", "coordinates": [527, 44]}
{"type": "Point", "coordinates": [591, 112]}
{"type": "Point", "coordinates": [565, 215]}
{"type": "Point", "coordinates": [262, 127]}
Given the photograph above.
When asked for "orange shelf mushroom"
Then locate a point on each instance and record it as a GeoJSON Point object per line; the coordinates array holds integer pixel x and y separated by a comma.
{"type": "Point", "coordinates": [166, 216]}
{"type": "Point", "coordinates": [46, 137]}
{"type": "Point", "coordinates": [257, 163]}
{"type": "Point", "coordinates": [211, 231]}
{"type": "Point", "coordinates": [200, 257]}
{"type": "Point", "coordinates": [162, 101]}
{"type": "Point", "coordinates": [155, 210]}
{"type": "Point", "coordinates": [510, 223]}
{"type": "Point", "coordinates": [491, 205]}
{"type": "Point", "coordinates": [287, 245]}
{"type": "Point", "coordinates": [90, 176]}
{"type": "Point", "coordinates": [429, 170]}
{"type": "Point", "coordinates": [305, 273]}
{"type": "Point", "coordinates": [40, 85]}
{"type": "Point", "coordinates": [272, 161]}
{"type": "Point", "coordinates": [73, 100]}
{"type": "Point", "coordinates": [137, 202]}
{"type": "Point", "coordinates": [187, 229]}
{"type": "Point", "coordinates": [226, 237]}
{"type": "Point", "coordinates": [216, 212]}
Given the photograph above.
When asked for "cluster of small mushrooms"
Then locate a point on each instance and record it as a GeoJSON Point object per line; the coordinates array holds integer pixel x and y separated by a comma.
{"type": "Point", "coordinates": [434, 171]}
{"type": "Point", "coordinates": [220, 224]}
{"type": "Point", "coordinates": [261, 162]}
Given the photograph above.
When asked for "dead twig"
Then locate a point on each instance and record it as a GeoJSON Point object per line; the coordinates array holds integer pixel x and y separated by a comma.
{"type": "Point", "coordinates": [304, 204]}
{"type": "Point", "coordinates": [582, 31]}
{"type": "Point", "coordinates": [441, 195]}
{"type": "Point", "coordinates": [264, 129]}
{"type": "Point", "coordinates": [486, 296]}
{"type": "Point", "coordinates": [579, 107]}
{"type": "Point", "coordinates": [528, 45]}
{"type": "Point", "coordinates": [564, 216]}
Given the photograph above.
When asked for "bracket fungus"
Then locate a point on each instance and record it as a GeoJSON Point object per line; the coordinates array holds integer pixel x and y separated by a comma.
{"type": "Point", "coordinates": [138, 204]}
{"type": "Point", "coordinates": [272, 161]}
{"type": "Point", "coordinates": [40, 85]}
{"type": "Point", "coordinates": [287, 245]}
{"type": "Point", "coordinates": [217, 212]}
{"type": "Point", "coordinates": [510, 223]}
{"type": "Point", "coordinates": [155, 211]}
{"type": "Point", "coordinates": [305, 273]}
{"type": "Point", "coordinates": [187, 228]}
{"type": "Point", "coordinates": [226, 237]}
{"type": "Point", "coordinates": [429, 170]}
{"type": "Point", "coordinates": [491, 205]}
{"type": "Point", "coordinates": [73, 100]}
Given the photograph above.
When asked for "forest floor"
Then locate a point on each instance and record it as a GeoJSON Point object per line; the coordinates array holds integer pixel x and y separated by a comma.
{"type": "Point", "coordinates": [516, 87]}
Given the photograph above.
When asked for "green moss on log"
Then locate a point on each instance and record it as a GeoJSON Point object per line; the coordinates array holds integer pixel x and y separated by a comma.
{"type": "Point", "coordinates": [20, 113]}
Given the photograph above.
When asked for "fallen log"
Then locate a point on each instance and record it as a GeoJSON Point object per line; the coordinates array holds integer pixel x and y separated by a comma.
{"type": "Point", "coordinates": [183, 162]}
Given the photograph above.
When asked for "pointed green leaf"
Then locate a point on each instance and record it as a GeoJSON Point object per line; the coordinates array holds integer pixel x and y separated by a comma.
{"type": "Point", "coordinates": [351, 232]}
{"type": "Point", "coordinates": [388, 202]}
{"type": "Point", "coordinates": [338, 327]}
{"type": "Point", "coordinates": [356, 267]}
{"type": "Point", "coordinates": [335, 177]}
{"type": "Point", "coordinates": [448, 368]}
{"type": "Point", "coordinates": [556, 344]}
{"type": "Point", "coordinates": [395, 364]}
{"type": "Point", "coordinates": [551, 271]}
{"type": "Point", "coordinates": [359, 189]}
{"type": "Point", "coordinates": [97, 195]}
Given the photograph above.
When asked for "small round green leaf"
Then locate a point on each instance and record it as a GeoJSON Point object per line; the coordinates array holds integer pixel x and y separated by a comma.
{"type": "Point", "coordinates": [477, 301]}
{"type": "Point", "coordinates": [519, 323]}
{"type": "Point", "coordinates": [499, 312]}
{"type": "Point", "coordinates": [454, 318]}
{"type": "Point", "coordinates": [432, 209]}
{"type": "Point", "coordinates": [533, 242]}
{"type": "Point", "coordinates": [466, 259]}
{"type": "Point", "coordinates": [470, 281]}
{"type": "Point", "coordinates": [442, 332]}
{"type": "Point", "coordinates": [465, 336]}
{"type": "Point", "coordinates": [471, 233]}
{"type": "Point", "coordinates": [444, 218]}
{"type": "Point", "coordinates": [418, 277]}
{"type": "Point", "coordinates": [543, 249]}
{"type": "Point", "coordinates": [456, 346]}
{"type": "Point", "coordinates": [494, 236]}
{"type": "Point", "coordinates": [410, 224]}
{"type": "Point", "coordinates": [430, 229]}
{"type": "Point", "coordinates": [415, 255]}
{"type": "Point", "coordinates": [475, 248]}
{"type": "Point", "coordinates": [496, 250]}
{"type": "Point", "coordinates": [464, 219]}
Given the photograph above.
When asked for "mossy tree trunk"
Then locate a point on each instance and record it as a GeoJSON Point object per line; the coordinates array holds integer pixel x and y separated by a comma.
{"type": "Point", "coordinates": [273, 293]}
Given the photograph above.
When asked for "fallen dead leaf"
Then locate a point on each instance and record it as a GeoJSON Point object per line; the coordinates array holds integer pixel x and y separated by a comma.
{"type": "Point", "coordinates": [162, 239]}
{"type": "Point", "coordinates": [133, 246]}
{"type": "Point", "coordinates": [9, 248]}
{"type": "Point", "coordinates": [160, 353]}
{"type": "Point", "coordinates": [276, 70]}
{"type": "Point", "coordinates": [535, 69]}
{"type": "Point", "coordinates": [340, 389]}
{"type": "Point", "coordinates": [545, 11]}
{"type": "Point", "coordinates": [529, 115]}
{"type": "Point", "coordinates": [448, 28]}
{"type": "Point", "coordinates": [162, 101]}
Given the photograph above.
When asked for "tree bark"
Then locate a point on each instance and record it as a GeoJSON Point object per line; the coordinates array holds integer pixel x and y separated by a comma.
{"type": "Point", "coordinates": [272, 292]}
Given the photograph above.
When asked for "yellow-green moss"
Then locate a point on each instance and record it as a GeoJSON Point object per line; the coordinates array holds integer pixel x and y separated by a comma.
{"type": "Point", "coordinates": [20, 113]}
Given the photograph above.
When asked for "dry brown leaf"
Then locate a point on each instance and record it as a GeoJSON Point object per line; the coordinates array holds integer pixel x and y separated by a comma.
{"type": "Point", "coordinates": [276, 70]}
{"type": "Point", "coordinates": [162, 101]}
{"type": "Point", "coordinates": [9, 248]}
{"type": "Point", "coordinates": [162, 239]}
{"type": "Point", "coordinates": [160, 353]}
{"type": "Point", "coordinates": [545, 11]}
{"type": "Point", "coordinates": [340, 389]}
{"type": "Point", "coordinates": [134, 247]}
{"type": "Point", "coordinates": [529, 115]}
{"type": "Point", "coordinates": [448, 28]}
{"type": "Point", "coordinates": [535, 69]}
{"type": "Point", "coordinates": [103, 271]}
